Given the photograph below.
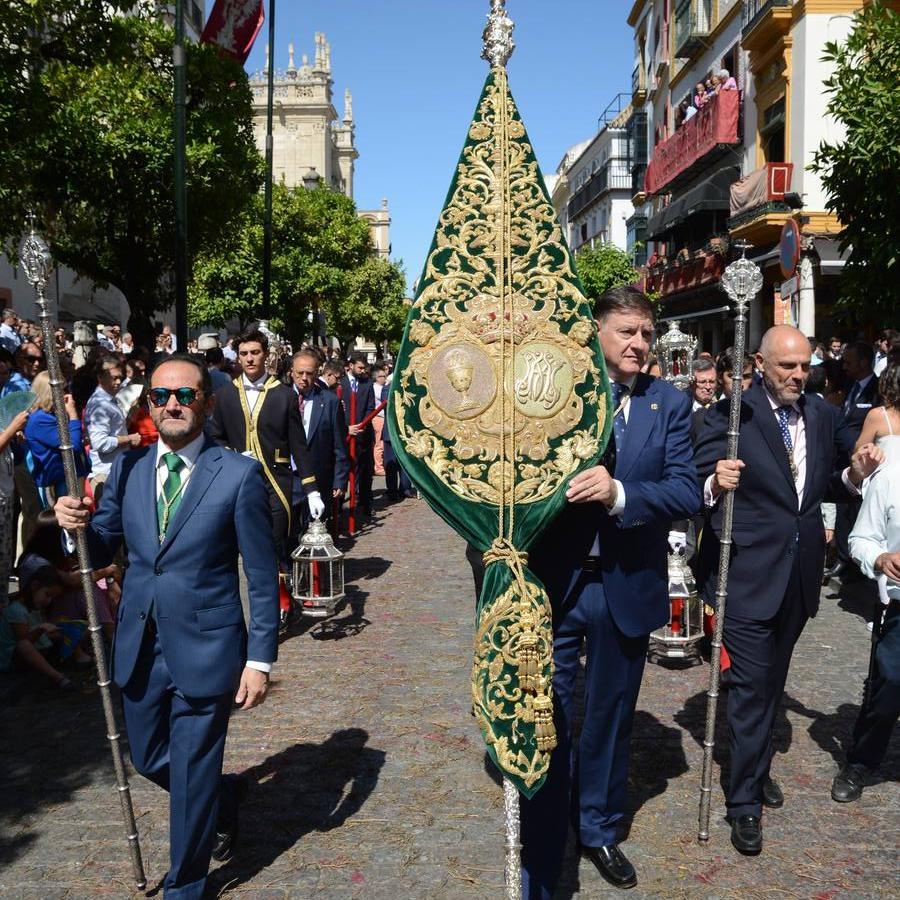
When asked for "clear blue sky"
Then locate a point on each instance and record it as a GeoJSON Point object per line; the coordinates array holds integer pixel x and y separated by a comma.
{"type": "Point", "coordinates": [415, 72]}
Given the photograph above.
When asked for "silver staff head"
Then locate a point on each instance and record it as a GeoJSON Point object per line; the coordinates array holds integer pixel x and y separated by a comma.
{"type": "Point", "coordinates": [36, 259]}
{"type": "Point", "coordinates": [742, 280]}
{"type": "Point", "coordinates": [497, 42]}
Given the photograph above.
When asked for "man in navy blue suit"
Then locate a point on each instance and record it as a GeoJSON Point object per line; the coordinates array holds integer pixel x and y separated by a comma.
{"type": "Point", "coordinates": [186, 509]}
{"type": "Point", "coordinates": [357, 393]}
{"type": "Point", "coordinates": [785, 469]}
{"type": "Point", "coordinates": [326, 433]}
{"type": "Point", "coordinates": [604, 564]}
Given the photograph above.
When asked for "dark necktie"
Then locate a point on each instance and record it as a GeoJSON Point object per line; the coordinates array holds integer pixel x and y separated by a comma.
{"type": "Point", "coordinates": [617, 438]}
{"type": "Point", "coordinates": [784, 416]}
{"type": "Point", "coordinates": [854, 395]}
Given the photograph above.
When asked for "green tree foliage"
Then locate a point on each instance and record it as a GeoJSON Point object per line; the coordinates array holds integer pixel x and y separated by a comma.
{"type": "Point", "coordinates": [861, 171]}
{"type": "Point", "coordinates": [604, 267]}
{"type": "Point", "coordinates": [86, 140]}
{"type": "Point", "coordinates": [321, 261]}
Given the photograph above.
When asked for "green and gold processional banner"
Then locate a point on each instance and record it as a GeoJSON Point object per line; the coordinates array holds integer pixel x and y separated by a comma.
{"type": "Point", "coordinates": [499, 397]}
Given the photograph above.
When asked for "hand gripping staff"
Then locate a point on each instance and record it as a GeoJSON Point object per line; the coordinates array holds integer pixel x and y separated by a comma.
{"type": "Point", "coordinates": [37, 263]}
{"type": "Point", "coordinates": [741, 281]}
{"type": "Point", "coordinates": [499, 397]}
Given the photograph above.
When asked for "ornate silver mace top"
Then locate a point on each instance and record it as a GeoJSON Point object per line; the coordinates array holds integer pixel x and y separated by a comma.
{"type": "Point", "coordinates": [743, 279]}
{"type": "Point", "coordinates": [36, 259]}
{"type": "Point", "coordinates": [497, 42]}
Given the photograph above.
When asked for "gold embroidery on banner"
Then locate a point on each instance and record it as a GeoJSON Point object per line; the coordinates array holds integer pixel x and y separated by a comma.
{"type": "Point", "coordinates": [513, 650]}
{"type": "Point", "coordinates": [459, 334]}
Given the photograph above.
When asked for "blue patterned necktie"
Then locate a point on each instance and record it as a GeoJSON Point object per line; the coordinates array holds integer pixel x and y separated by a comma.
{"type": "Point", "coordinates": [619, 392]}
{"type": "Point", "coordinates": [784, 415]}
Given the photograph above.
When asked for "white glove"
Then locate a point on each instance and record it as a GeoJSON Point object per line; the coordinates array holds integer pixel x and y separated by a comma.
{"type": "Point", "coordinates": [316, 506]}
{"type": "Point", "coordinates": [677, 541]}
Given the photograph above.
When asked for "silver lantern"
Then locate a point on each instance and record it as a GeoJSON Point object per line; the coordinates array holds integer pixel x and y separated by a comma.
{"type": "Point", "coordinates": [679, 638]}
{"type": "Point", "coordinates": [318, 568]}
{"type": "Point", "coordinates": [676, 352]}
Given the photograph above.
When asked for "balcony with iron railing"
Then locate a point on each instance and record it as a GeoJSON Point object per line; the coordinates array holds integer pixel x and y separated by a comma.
{"type": "Point", "coordinates": [758, 209]}
{"type": "Point", "coordinates": [693, 23]}
{"type": "Point", "coordinates": [638, 86]}
{"type": "Point", "coordinates": [686, 270]}
{"type": "Point", "coordinates": [600, 183]}
{"type": "Point", "coordinates": [695, 144]}
{"type": "Point", "coordinates": [763, 22]}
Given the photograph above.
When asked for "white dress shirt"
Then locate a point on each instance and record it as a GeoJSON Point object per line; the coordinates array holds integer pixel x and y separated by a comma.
{"type": "Point", "coordinates": [189, 454]}
{"type": "Point", "coordinates": [877, 528]}
{"type": "Point", "coordinates": [253, 389]}
{"type": "Point", "coordinates": [104, 422]}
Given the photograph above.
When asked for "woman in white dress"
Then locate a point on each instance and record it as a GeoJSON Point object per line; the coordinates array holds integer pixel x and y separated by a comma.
{"type": "Point", "coordinates": [882, 424]}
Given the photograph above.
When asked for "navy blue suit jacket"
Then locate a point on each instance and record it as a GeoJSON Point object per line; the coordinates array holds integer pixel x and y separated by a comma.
{"type": "Point", "coordinates": [656, 468]}
{"type": "Point", "coordinates": [365, 404]}
{"type": "Point", "coordinates": [768, 527]}
{"type": "Point", "coordinates": [327, 441]}
{"type": "Point", "coordinates": [190, 582]}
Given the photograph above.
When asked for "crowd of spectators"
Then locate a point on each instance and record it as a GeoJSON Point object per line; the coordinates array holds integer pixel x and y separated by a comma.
{"type": "Point", "coordinates": [703, 93]}
{"type": "Point", "coordinates": [43, 628]}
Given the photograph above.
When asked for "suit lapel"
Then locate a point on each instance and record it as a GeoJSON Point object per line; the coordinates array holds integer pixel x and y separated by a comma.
{"type": "Point", "coordinates": [147, 488]}
{"type": "Point", "coordinates": [817, 442]}
{"type": "Point", "coordinates": [765, 420]}
{"type": "Point", "coordinates": [208, 465]}
{"type": "Point", "coordinates": [315, 416]}
{"type": "Point", "coordinates": [641, 418]}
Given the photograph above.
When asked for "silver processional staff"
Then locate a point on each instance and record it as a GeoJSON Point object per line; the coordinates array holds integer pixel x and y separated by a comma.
{"type": "Point", "coordinates": [37, 263]}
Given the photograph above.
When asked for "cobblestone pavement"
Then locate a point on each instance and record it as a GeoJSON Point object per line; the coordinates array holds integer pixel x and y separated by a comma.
{"type": "Point", "coordinates": [368, 777]}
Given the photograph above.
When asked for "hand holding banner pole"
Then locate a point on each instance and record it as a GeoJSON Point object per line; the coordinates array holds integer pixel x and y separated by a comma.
{"type": "Point", "coordinates": [37, 263]}
{"type": "Point", "coordinates": [742, 281]}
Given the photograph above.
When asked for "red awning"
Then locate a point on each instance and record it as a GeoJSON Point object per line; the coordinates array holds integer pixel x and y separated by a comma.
{"type": "Point", "coordinates": [714, 125]}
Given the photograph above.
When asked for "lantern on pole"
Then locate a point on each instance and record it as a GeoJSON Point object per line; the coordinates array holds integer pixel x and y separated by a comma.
{"type": "Point", "coordinates": [318, 573]}
{"type": "Point", "coordinates": [679, 638]}
{"type": "Point", "coordinates": [676, 352]}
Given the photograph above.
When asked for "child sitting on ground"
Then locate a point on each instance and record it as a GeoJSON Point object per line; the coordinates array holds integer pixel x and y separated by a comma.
{"type": "Point", "coordinates": [27, 642]}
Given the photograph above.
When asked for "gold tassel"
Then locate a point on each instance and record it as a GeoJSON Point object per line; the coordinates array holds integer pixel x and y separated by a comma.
{"type": "Point", "coordinates": [527, 658]}
{"type": "Point", "coordinates": [544, 730]}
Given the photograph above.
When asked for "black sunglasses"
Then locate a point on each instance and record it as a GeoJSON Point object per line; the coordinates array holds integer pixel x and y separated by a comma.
{"type": "Point", "coordinates": [159, 396]}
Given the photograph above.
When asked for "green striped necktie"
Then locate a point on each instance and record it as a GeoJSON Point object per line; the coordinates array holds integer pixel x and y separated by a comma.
{"type": "Point", "coordinates": [170, 498]}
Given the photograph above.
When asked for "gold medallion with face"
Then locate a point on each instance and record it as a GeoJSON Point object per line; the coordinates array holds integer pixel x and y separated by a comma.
{"type": "Point", "coordinates": [461, 380]}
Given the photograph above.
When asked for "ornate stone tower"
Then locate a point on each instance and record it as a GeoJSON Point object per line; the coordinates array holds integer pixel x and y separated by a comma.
{"type": "Point", "coordinates": [308, 140]}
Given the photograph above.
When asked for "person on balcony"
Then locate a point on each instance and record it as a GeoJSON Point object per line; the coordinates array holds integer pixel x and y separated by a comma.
{"type": "Point", "coordinates": [701, 98]}
{"type": "Point", "coordinates": [726, 81]}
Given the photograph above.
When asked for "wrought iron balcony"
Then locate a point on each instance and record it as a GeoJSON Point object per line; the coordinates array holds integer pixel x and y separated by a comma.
{"type": "Point", "coordinates": [763, 22]}
{"type": "Point", "coordinates": [693, 20]}
{"type": "Point", "coordinates": [758, 210]}
{"type": "Point", "coordinates": [598, 184]}
{"type": "Point", "coordinates": [685, 272]}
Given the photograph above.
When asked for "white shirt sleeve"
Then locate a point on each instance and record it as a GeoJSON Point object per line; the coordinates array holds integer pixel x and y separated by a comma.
{"type": "Point", "coordinates": [869, 539]}
{"type": "Point", "coordinates": [259, 666]}
{"type": "Point", "coordinates": [619, 506]}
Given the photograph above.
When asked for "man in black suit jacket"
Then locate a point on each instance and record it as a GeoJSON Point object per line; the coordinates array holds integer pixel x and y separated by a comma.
{"type": "Point", "coordinates": [326, 432]}
{"type": "Point", "coordinates": [785, 468]}
{"type": "Point", "coordinates": [257, 415]}
{"type": "Point", "coordinates": [358, 397]}
{"type": "Point", "coordinates": [862, 395]}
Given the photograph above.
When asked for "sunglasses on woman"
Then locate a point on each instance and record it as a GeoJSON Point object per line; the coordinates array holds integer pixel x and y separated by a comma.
{"type": "Point", "coordinates": [185, 396]}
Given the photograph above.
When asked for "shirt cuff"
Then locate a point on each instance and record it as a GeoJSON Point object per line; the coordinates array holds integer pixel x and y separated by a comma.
{"type": "Point", "coordinates": [708, 498]}
{"type": "Point", "coordinates": [845, 478]}
{"type": "Point", "coordinates": [619, 506]}
{"type": "Point", "coordinates": [259, 666]}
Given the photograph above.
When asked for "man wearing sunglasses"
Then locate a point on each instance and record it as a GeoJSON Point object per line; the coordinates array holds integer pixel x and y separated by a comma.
{"type": "Point", "coordinates": [257, 415]}
{"type": "Point", "coordinates": [186, 509]}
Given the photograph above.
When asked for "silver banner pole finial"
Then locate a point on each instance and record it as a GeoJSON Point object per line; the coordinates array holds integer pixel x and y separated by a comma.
{"type": "Point", "coordinates": [497, 42]}
{"type": "Point", "coordinates": [38, 264]}
{"type": "Point", "coordinates": [742, 281]}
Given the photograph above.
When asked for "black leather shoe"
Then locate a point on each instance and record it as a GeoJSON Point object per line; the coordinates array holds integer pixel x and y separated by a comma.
{"type": "Point", "coordinates": [771, 794]}
{"type": "Point", "coordinates": [746, 835]}
{"type": "Point", "coordinates": [833, 571]}
{"type": "Point", "coordinates": [232, 793]}
{"type": "Point", "coordinates": [612, 864]}
{"type": "Point", "coordinates": [848, 784]}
